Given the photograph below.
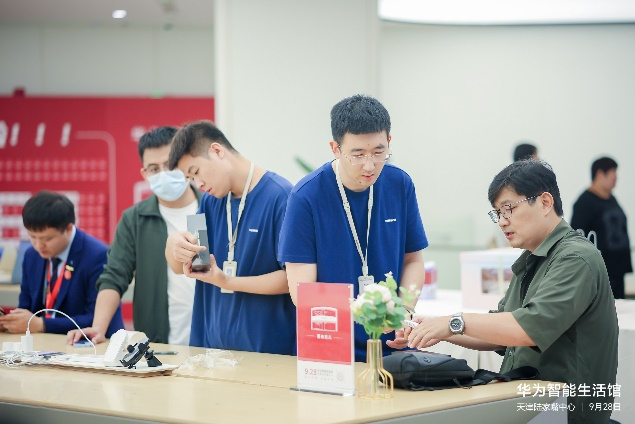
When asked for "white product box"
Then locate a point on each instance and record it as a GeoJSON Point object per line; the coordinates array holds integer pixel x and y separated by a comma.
{"type": "Point", "coordinates": [485, 276]}
{"type": "Point", "coordinates": [429, 288]}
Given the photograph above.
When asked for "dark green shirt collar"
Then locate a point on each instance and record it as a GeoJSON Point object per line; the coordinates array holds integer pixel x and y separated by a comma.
{"type": "Point", "coordinates": [150, 206]}
{"type": "Point", "coordinates": [561, 230]}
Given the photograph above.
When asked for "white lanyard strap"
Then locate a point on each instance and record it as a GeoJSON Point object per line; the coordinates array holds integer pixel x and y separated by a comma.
{"type": "Point", "coordinates": [241, 206]}
{"type": "Point", "coordinates": [347, 209]}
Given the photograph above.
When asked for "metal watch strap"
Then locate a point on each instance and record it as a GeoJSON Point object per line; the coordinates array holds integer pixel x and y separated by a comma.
{"type": "Point", "coordinates": [458, 315]}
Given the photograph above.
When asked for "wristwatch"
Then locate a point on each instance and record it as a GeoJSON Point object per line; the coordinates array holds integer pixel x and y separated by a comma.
{"type": "Point", "coordinates": [457, 325]}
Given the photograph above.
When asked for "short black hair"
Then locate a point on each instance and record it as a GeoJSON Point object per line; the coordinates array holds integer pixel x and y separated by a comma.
{"type": "Point", "coordinates": [194, 139]}
{"type": "Point", "coordinates": [603, 164]}
{"type": "Point", "coordinates": [158, 137]}
{"type": "Point", "coordinates": [358, 114]}
{"type": "Point", "coordinates": [529, 177]}
{"type": "Point", "coordinates": [524, 151]}
{"type": "Point", "coordinates": [48, 209]}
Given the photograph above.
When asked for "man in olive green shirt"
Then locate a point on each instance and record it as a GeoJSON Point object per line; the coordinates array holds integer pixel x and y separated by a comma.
{"type": "Point", "coordinates": [162, 302]}
{"type": "Point", "coordinates": [558, 314]}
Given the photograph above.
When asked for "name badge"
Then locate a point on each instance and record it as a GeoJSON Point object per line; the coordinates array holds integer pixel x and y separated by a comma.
{"type": "Point", "coordinates": [364, 281]}
{"type": "Point", "coordinates": [229, 269]}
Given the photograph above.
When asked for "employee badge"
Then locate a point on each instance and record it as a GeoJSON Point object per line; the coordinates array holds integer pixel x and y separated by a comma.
{"type": "Point", "coordinates": [364, 281]}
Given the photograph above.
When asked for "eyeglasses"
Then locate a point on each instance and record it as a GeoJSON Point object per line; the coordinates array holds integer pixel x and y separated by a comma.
{"type": "Point", "coordinates": [506, 210]}
{"type": "Point", "coordinates": [155, 169]}
{"type": "Point", "coordinates": [379, 157]}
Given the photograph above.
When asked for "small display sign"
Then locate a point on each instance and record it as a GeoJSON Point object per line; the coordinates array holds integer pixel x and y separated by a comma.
{"type": "Point", "coordinates": [326, 358]}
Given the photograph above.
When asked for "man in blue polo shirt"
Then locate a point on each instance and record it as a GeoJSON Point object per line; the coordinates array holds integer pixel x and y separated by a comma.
{"type": "Point", "coordinates": [323, 240]}
{"type": "Point", "coordinates": [245, 305]}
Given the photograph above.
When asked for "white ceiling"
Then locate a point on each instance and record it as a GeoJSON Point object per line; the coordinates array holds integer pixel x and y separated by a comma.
{"type": "Point", "coordinates": [99, 12]}
{"type": "Point", "coordinates": [172, 13]}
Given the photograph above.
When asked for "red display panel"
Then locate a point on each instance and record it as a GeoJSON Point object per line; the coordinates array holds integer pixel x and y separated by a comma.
{"type": "Point", "coordinates": [84, 147]}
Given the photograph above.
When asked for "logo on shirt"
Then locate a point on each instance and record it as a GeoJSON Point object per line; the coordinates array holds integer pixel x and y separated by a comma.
{"type": "Point", "coordinates": [253, 230]}
{"type": "Point", "coordinates": [391, 220]}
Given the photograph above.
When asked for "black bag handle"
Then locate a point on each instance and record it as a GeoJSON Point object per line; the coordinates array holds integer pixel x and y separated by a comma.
{"type": "Point", "coordinates": [482, 376]}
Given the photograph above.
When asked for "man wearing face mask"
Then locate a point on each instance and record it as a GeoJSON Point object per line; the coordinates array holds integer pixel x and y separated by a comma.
{"type": "Point", "coordinates": [162, 301]}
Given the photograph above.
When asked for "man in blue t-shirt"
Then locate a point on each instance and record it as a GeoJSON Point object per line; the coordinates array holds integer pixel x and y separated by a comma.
{"type": "Point", "coordinates": [245, 305]}
{"type": "Point", "coordinates": [322, 241]}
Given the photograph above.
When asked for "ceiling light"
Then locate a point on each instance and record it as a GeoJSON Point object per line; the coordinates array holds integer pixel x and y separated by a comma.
{"type": "Point", "coordinates": [507, 12]}
{"type": "Point", "coordinates": [119, 14]}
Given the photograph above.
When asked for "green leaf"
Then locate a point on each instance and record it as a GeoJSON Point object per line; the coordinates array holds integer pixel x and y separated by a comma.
{"type": "Point", "coordinates": [305, 166]}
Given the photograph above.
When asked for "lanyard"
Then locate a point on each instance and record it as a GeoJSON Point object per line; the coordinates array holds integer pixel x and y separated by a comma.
{"type": "Point", "coordinates": [347, 209]}
{"type": "Point", "coordinates": [51, 297]}
{"type": "Point", "coordinates": [241, 206]}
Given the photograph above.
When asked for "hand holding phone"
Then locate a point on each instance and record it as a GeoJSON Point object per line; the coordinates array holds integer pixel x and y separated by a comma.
{"type": "Point", "coordinates": [82, 343]}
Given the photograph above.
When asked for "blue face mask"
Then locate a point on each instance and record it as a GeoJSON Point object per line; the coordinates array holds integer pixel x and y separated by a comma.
{"type": "Point", "coordinates": [168, 185]}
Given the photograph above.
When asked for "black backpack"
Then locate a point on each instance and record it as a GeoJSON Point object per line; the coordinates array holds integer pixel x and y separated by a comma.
{"type": "Point", "coordinates": [416, 370]}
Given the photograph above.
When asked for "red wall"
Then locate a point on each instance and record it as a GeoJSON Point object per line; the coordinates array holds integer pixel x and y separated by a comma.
{"type": "Point", "coordinates": [85, 147]}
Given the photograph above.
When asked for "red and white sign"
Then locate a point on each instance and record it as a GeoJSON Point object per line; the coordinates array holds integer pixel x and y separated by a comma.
{"type": "Point", "coordinates": [83, 145]}
{"type": "Point", "coordinates": [326, 355]}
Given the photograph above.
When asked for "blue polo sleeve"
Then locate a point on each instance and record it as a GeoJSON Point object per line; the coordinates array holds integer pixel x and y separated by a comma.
{"type": "Point", "coordinates": [298, 233]}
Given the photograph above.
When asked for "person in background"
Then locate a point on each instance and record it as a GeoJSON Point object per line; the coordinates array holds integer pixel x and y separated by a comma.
{"type": "Point", "coordinates": [355, 218]}
{"type": "Point", "coordinates": [162, 301]}
{"type": "Point", "coordinates": [558, 314]}
{"type": "Point", "coordinates": [59, 271]}
{"type": "Point", "coordinates": [597, 210]}
{"type": "Point", "coordinates": [246, 304]}
{"type": "Point", "coordinates": [525, 151]}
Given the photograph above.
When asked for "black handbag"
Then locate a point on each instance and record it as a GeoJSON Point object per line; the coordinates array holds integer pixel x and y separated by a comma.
{"type": "Point", "coordinates": [417, 370]}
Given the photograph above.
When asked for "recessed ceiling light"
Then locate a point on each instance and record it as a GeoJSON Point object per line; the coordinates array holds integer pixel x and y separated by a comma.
{"type": "Point", "coordinates": [119, 14]}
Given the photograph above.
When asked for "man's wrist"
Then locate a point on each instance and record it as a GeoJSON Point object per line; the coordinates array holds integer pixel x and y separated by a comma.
{"type": "Point", "coordinates": [40, 326]}
{"type": "Point", "coordinates": [99, 327]}
{"type": "Point", "coordinates": [228, 282]}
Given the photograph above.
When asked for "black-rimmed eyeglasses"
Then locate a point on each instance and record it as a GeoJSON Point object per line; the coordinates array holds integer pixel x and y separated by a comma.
{"type": "Point", "coordinates": [506, 210]}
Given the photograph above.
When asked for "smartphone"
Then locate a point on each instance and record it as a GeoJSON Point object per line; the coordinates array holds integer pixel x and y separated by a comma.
{"type": "Point", "coordinates": [201, 262]}
{"type": "Point", "coordinates": [82, 343]}
{"type": "Point", "coordinates": [197, 225]}
{"type": "Point", "coordinates": [48, 353]}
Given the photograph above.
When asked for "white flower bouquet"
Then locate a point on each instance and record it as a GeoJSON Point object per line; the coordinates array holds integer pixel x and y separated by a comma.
{"type": "Point", "coordinates": [380, 308]}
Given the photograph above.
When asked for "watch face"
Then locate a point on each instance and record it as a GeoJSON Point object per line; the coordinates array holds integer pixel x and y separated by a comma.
{"type": "Point", "coordinates": [455, 324]}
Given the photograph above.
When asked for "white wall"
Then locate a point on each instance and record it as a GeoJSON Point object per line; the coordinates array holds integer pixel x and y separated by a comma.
{"type": "Point", "coordinates": [106, 61]}
{"type": "Point", "coordinates": [460, 97]}
{"type": "Point", "coordinates": [285, 64]}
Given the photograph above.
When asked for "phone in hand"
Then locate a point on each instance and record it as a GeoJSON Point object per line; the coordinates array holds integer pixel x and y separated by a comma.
{"type": "Point", "coordinates": [82, 343]}
{"type": "Point", "coordinates": [201, 262]}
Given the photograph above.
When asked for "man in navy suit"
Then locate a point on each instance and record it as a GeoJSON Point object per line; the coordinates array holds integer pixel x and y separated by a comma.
{"type": "Point", "coordinates": [59, 271]}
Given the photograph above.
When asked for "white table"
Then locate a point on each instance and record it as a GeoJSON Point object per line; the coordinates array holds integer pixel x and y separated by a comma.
{"type": "Point", "coordinates": [448, 302]}
{"type": "Point", "coordinates": [626, 360]}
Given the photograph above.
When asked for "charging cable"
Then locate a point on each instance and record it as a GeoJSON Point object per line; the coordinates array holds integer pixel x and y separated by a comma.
{"type": "Point", "coordinates": [27, 339]}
